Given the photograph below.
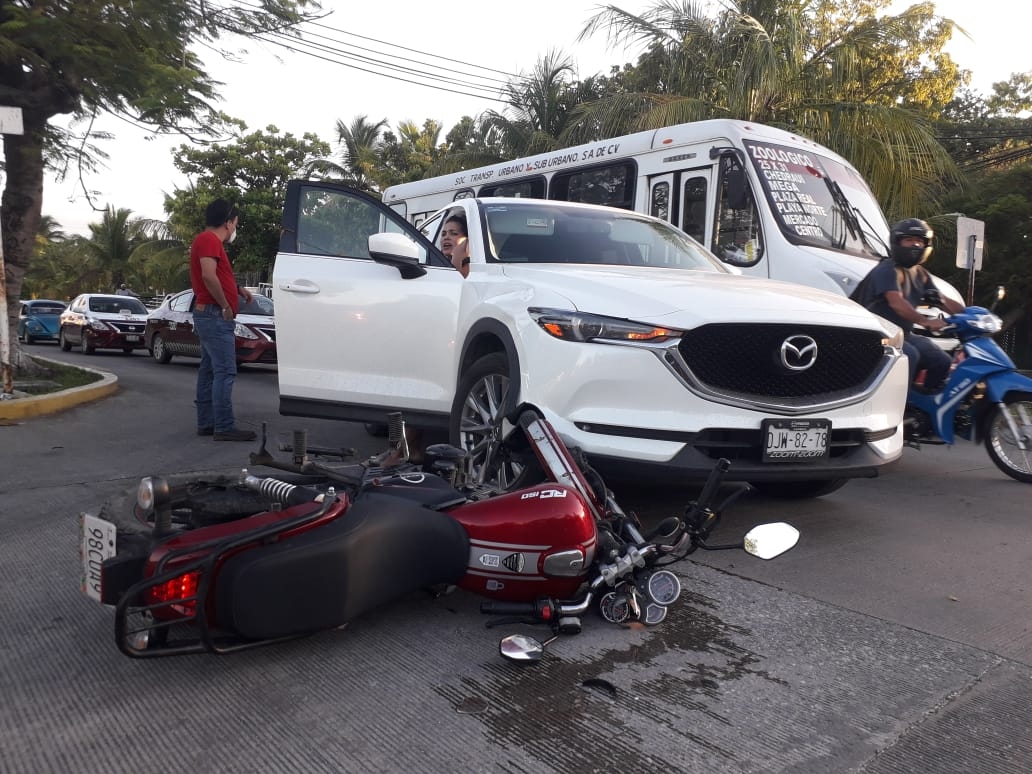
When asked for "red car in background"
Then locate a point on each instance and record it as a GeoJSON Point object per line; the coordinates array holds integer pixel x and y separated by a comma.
{"type": "Point", "coordinates": [170, 331]}
{"type": "Point", "coordinates": [103, 321]}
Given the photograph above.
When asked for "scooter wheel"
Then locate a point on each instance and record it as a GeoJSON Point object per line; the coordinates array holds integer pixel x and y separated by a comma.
{"type": "Point", "coordinates": [1001, 443]}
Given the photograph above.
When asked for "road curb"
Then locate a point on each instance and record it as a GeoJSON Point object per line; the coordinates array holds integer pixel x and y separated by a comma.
{"type": "Point", "coordinates": [51, 403]}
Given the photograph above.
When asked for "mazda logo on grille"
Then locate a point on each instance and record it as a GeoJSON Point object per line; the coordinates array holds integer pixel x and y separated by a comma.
{"type": "Point", "coordinates": [798, 353]}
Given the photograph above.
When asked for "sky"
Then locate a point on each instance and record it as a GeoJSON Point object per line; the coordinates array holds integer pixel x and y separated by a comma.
{"type": "Point", "coordinates": [302, 93]}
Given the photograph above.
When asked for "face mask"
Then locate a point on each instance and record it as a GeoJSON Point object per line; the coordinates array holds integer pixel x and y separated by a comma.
{"type": "Point", "coordinates": [232, 237]}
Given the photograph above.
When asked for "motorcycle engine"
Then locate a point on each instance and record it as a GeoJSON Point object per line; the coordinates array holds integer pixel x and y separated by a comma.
{"type": "Point", "coordinates": [916, 424]}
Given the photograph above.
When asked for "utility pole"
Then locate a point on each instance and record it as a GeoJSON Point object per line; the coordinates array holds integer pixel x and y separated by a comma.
{"type": "Point", "coordinates": [10, 123]}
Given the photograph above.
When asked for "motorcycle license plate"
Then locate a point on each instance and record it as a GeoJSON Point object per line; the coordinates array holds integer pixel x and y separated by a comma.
{"type": "Point", "coordinates": [794, 440]}
{"type": "Point", "coordinates": [96, 543]}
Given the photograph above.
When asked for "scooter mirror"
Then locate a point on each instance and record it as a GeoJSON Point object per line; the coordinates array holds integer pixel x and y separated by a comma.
{"type": "Point", "coordinates": [769, 540]}
{"type": "Point", "coordinates": [520, 647]}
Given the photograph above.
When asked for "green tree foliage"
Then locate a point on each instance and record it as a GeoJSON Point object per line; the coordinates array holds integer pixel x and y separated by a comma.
{"type": "Point", "coordinates": [843, 72]}
{"type": "Point", "coordinates": [132, 58]}
{"type": "Point", "coordinates": [252, 171]}
{"type": "Point", "coordinates": [1003, 199]}
{"type": "Point", "coordinates": [988, 133]}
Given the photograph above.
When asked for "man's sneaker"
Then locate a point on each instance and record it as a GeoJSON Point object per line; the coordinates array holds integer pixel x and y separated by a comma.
{"type": "Point", "coordinates": [205, 431]}
{"type": "Point", "coordinates": [235, 435]}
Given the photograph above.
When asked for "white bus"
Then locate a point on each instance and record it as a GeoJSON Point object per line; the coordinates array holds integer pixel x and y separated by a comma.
{"type": "Point", "coordinates": [768, 202]}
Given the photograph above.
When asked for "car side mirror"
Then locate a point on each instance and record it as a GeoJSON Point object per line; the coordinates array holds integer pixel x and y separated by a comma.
{"type": "Point", "coordinates": [396, 250]}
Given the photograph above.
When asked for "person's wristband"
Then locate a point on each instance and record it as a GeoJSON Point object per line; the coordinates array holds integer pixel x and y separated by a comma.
{"type": "Point", "coordinates": [465, 261]}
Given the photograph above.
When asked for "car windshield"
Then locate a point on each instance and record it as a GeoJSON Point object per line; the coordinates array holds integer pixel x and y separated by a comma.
{"type": "Point", "coordinates": [45, 309]}
{"type": "Point", "coordinates": [819, 201]}
{"type": "Point", "coordinates": [259, 305]}
{"type": "Point", "coordinates": [536, 232]}
{"type": "Point", "coordinates": [116, 305]}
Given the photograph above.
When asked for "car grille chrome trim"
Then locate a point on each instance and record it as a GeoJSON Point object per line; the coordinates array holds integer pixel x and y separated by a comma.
{"type": "Point", "coordinates": [740, 364]}
{"type": "Point", "coordinates": [127, 327]}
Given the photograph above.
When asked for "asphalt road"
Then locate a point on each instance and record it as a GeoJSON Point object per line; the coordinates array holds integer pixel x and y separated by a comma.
{"type": "Point", "coordinates": [894, 637]}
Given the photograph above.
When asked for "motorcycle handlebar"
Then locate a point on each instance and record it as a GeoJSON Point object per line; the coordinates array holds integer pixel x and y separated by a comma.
{"type": "Point", "coordinates": [509, 608]}
{"type": "Point", "coordinates": [709, 489]}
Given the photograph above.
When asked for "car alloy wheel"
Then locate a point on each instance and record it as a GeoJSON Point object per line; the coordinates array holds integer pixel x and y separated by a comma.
{"type": "Point", "coordinates": [478, 425]}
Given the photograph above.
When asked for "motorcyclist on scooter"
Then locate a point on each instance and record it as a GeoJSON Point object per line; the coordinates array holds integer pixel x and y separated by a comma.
{"type": "Point", "coordinates": [895, 288]}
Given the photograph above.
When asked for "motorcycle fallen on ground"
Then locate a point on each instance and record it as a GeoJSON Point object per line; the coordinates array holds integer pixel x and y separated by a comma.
{"type": "Point", "coordinates": [984, 399]}
{"type": "Point", "coordinates": [220, 563]}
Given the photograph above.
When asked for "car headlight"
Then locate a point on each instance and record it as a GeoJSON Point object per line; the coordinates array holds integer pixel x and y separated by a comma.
{"type": "Point", "coordinates": [580, 326]}
{"type": "Point", "coordinates": [97, 325]}
{"type": "Point", "coordinates": [33, 325]}
{"type": "Point", "coordinates": [241, 331]}
{"type": "Point", "coordinates": [893, 335]}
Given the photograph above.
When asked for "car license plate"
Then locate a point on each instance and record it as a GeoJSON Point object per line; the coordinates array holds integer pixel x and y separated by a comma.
{"type": "Point", "coordinates": [96, 543]}
{"type": "Point", "coordinates": [132, 338]}
{"type": "Point", "coordinates": [792, 440]}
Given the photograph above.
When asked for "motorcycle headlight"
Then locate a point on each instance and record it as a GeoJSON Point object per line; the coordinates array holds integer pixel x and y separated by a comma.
{"type": "Point", "coordinates": [989, 323]}
{"type": "Point", "coordinates": [580, 326]}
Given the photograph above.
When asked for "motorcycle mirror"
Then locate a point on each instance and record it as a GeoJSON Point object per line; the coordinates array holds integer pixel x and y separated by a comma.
{"type": "Point", "coordinates": [520, 647]}
{"type": "Point", "coordinates": [769, 540]}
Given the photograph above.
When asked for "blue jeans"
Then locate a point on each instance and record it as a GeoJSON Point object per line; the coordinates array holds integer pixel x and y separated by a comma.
{"type": "Point", "coordinates": [217, 371]}
{"type": "Point", "coordinates": [922, 352]}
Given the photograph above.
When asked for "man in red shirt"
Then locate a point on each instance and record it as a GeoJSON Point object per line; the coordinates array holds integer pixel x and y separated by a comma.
{"type": "Point", "coordinates": [216, 303]}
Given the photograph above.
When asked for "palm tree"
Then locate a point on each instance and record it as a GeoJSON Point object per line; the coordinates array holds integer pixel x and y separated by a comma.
{"type": "Point", "coordinates": [537, 108]}
{"type": "Point", "coordinates": [864, 85]}
{"type": "Point", "coordinates": [359, 144]}
{"type": "Point", "coordinates": [109, 246]}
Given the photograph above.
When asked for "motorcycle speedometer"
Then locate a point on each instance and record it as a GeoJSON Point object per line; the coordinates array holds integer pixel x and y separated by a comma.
{"type": "Point", "coordinates": [614, 607]}
{"type": "Point", "coordinates": [663, 587]}
{"type": "Point", "coordinates": [654, 613]}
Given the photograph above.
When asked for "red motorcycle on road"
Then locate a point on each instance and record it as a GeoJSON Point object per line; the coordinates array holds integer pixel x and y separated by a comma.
{"type": "Point", "coordinates": [219, 563]}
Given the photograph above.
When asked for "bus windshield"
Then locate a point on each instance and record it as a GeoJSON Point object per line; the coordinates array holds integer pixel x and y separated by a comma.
{"type": "Point", "coordinates": [818, 201]}
{"type": "Point", "coordinates": [545, 232]}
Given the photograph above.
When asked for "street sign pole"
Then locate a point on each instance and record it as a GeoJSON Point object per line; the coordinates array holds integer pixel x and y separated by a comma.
{"type": "Point", "coordinates": [10, 123]}
{"type": "Point", "coordinates": [970, 241]}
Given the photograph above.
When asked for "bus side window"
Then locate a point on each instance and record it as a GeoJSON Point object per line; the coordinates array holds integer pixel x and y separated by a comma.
{"type": "Point", "coordinates": [659, 206]}
{"type": "Point", "coordinates": [736, 238]}
{"type": "Point", "coordinates": [693, 218]}
{"type": "Point", "coordinates": [612, 185]}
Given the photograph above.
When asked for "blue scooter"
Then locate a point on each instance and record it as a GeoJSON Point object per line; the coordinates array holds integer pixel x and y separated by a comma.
{"type": "Point", "coordinates": [984, 399]}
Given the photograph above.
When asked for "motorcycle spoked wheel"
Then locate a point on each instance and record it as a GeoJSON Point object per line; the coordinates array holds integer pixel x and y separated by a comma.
{"type": "Point", "coordinates": [1000, 442]}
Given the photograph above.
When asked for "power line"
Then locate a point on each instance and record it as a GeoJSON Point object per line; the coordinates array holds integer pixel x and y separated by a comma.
{"type": "Point", "coordinates": [303, 44]}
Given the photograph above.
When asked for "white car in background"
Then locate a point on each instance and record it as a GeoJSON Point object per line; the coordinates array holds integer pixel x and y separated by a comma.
{"type": "Point", "coordinates": [638, 345]}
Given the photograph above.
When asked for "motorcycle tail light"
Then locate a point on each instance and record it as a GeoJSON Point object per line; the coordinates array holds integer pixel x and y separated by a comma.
{"type": "Point", "coordinates": [178, 594]}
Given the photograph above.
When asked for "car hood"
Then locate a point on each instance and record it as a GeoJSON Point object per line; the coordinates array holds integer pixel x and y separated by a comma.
{"type": "Point", "coordinates": [118, 317]}
{"type": "Point", "coordinates": [48, 321]}
{"type": "Point", "coordinates": [686, 299]}
{"type": "Point", "coordinates": [257, 319]}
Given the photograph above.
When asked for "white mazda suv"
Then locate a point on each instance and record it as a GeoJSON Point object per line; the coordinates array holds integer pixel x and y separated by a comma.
{"type": "Point", "coordinates": [639, 346]}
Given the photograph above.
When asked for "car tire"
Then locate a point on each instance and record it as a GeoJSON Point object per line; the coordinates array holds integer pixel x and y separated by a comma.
{"type": "Point", "coordinates": [798, 490]}
{"type": "Point", "coordinates": [159, 351]}
{"type": "Point", "coordinates": [62, 340]}
{"type": "Point", "coordinates": [87, 348]}
{"type": "Point", "coordinates": [478, 425]}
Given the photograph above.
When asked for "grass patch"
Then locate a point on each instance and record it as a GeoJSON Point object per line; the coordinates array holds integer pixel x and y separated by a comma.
{"type": "Point", "coordinates": [54, 377]}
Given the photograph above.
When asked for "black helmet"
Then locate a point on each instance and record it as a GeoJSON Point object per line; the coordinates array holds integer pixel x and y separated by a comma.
{"type": "Point", "coordinates": [910, 256]}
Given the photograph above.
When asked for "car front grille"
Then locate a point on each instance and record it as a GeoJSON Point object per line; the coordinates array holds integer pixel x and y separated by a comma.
{"type": "Point", "coordinates": [127, 326]}
{"type": "Point", "coordinates": [267, 330]}
{"type": "Point", "coordinates": [752, 362]}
